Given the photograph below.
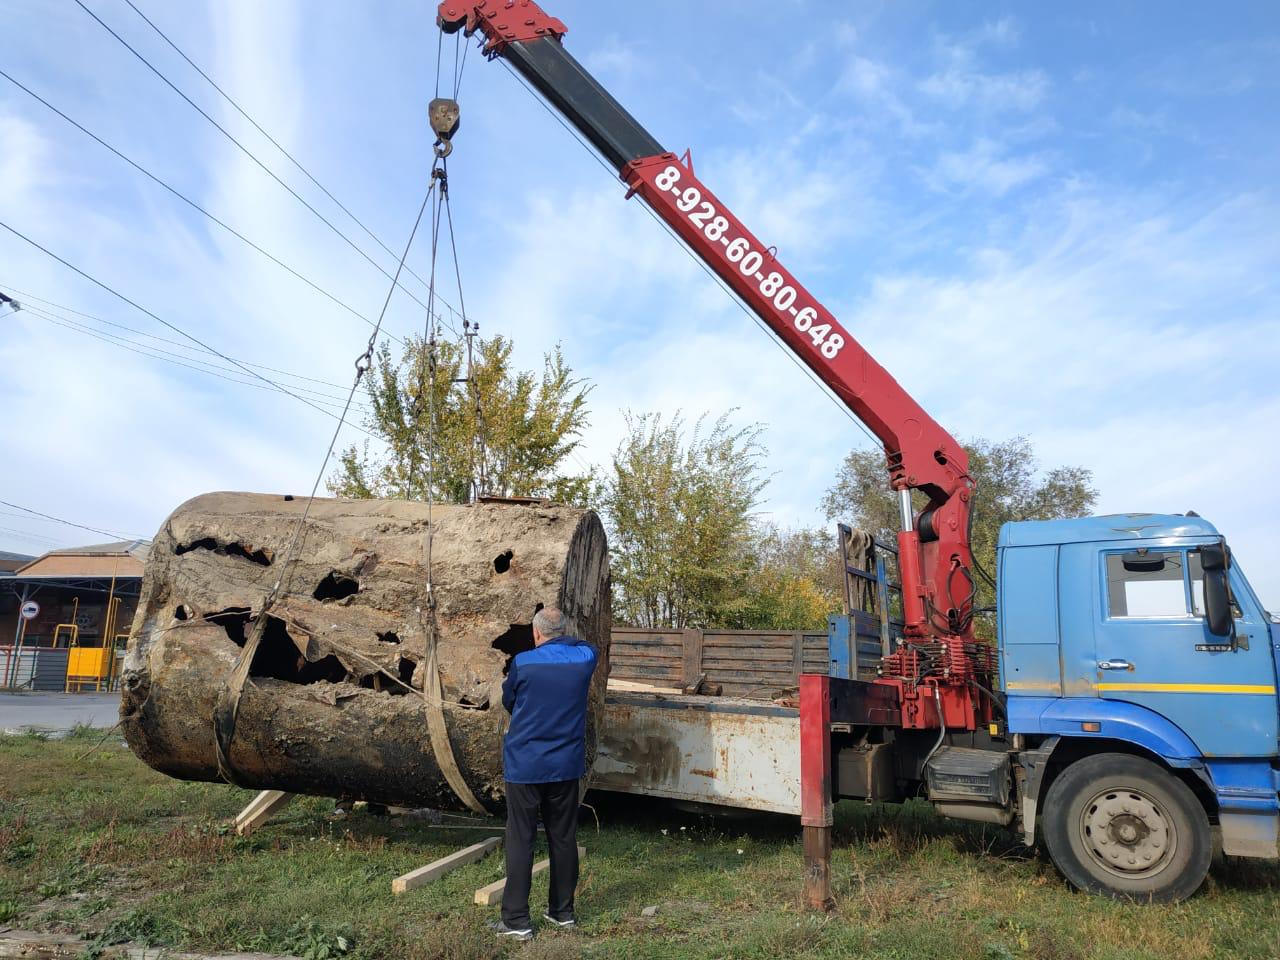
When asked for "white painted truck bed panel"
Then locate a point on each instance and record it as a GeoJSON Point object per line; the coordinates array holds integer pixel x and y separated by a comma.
{"type": "Point", "coordinates": [718, 750]}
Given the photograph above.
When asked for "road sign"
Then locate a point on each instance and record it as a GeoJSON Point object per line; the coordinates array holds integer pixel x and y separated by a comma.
{"type": "Point", "coordinates": [30, 610]}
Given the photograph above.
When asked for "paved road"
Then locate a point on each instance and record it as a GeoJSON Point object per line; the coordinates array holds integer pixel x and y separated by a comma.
{"type": "Point", "coordinates": [57, 712]}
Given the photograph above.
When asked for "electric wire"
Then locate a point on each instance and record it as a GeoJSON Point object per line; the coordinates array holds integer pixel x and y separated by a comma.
{"type": "Point", "coordinates": [194, 205]}
{"type": "Point", "coordinates": [751, 314]}
{"type": "Point", "coordinates": [189, 363]}
{"type": "Point", "coordinates": [151, 336]}
{"type": "Point", "coordinates": [30, 536]}
{"type": "Point", "coordinates": [156, 317]}
{"type": "Point", "coordinates": [51, 312]}
{"type": "Point", "coordinates": [70, 523]}
{"type": "Point", "coordinates": [250, 154]}
{"type": "Point", "coordinates": [274, 142]}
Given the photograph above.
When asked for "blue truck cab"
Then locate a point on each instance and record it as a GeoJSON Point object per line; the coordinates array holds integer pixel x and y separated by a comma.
{"type": "Point", "coordinates": [1140, 674]}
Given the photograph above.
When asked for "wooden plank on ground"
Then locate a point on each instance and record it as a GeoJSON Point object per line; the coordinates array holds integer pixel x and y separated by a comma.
{"type": "Point", "coordinates": [488, 896]}
{"type": "Point", "coordinates": [434, 871]}
{"type": "Point", "coordinates": [259, 810]}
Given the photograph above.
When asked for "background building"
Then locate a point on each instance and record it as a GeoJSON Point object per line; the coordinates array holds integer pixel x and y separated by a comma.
{"type": "Point", "coordinates": [86, 597]}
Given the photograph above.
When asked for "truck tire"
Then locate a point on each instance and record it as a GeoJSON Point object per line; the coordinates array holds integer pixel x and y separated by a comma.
{"type": "Point", "coordinates": [1122, 826]}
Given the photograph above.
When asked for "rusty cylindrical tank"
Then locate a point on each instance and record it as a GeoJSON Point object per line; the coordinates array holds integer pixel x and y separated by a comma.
{"type": "Point", "coordinates": [326, 709]}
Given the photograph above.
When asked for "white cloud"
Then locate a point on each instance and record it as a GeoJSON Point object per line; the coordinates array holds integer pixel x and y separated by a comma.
{"type": "Point", "coordinates": [959, 87]}
{"type": "Point", "coordinates": [24, 159]}
{"type": "Point", "coordinates": [612, 58]}
{"type": "Point", "coordinates": [879, 88]}
{"type": "Point", "coordinates": [985, 167]}
{"type": "Point", "coordinates": [961, 82]}
{"type": "Point", "coordinates": [1004, 32]}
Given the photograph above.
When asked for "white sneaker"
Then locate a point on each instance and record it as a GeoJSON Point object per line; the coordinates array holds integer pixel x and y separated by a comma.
{"type": "Point", "coordinates": [564, 924]}
{"type": "Point", "coordinates": [502, 930]}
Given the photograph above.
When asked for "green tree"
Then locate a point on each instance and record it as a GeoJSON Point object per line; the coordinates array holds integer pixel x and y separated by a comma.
{"type": "Point", "coordinates": [1010, 486]}
{"type": "Point", "coordinates": [511, 429]}
{"type": "Point", "coordinates": [794, 581]}
{"type": "Point", "coordinates": [678, 507]}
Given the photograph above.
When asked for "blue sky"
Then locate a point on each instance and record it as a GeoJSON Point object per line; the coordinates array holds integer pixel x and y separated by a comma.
{"type": "Point", "coordinates": [1050, 220]}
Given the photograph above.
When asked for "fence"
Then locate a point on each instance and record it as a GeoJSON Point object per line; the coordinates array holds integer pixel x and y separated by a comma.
{"type": "Point", "coordinates": [33, 668]}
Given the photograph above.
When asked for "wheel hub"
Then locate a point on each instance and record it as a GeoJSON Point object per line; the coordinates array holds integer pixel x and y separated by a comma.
{"type": "Point", "coordinates": [1127, 833]}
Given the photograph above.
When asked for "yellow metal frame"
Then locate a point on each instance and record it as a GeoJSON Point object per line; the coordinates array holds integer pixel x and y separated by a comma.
{"type": "Point", "coordinates": [96, 665]}
{"type": "Point", "coordinates": [73, 628]}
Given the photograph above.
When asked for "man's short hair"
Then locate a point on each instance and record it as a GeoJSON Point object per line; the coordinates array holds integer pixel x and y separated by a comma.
{"type": "Point", "coordinates": [551, 622]}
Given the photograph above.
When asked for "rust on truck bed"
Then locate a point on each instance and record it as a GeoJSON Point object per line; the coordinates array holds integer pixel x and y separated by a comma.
{"type": "Point", "coordinates": [728, 751]}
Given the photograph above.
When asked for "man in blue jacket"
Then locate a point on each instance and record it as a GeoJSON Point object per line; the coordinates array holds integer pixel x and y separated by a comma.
{"type": "Point", "coordinates": [543, 758]}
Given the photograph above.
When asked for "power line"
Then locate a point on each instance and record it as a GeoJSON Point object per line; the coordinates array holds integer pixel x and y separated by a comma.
{"type": "Point", "coordinates": [195, 206]}
{"type": "Point", "coordinates": [32, 537]}
{"type": "Point", "coordinates": [274, 142]}
{"type": "Point", "coordinates": [176, 329]}
{"type": "Point", "coordinates": [151, 336]}
{"type": "Point", "coordinates": [251, 155]}
{"type": "Point", "coordinates": [70, 523]}
{"type": "Point", "coordinates": [198, 366]}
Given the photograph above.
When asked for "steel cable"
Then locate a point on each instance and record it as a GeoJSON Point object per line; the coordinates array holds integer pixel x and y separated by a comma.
{"type": "Point", "coordinates": [225, 714]}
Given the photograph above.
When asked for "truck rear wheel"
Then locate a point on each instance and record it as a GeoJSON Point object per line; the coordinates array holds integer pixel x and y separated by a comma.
{"type": "Point", "coordinates": [1122, 826]}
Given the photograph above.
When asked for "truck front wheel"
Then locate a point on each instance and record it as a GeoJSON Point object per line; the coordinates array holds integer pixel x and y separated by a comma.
{"type": "Point", "coordinates": [1122, 826]}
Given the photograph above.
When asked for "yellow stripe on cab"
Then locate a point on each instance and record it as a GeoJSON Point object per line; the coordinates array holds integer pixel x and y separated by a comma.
{"type": "Point", "coordinates": [1254, 688]}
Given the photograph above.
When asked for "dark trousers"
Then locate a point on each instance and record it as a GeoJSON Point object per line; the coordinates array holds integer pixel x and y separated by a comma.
{"type": "Point", "coordinates": [558, 805]}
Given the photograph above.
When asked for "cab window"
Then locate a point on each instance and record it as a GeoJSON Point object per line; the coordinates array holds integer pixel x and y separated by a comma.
{"type": "Point", "coordinates": [1146, 584]}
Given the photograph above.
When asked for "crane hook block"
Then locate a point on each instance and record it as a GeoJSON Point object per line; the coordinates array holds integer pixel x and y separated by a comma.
{"type": "Point", "coordinates": [444, 117]}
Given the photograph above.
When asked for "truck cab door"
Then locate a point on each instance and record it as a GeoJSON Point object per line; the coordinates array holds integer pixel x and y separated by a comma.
{"type": "Point", "coordinates": [1154, 649]}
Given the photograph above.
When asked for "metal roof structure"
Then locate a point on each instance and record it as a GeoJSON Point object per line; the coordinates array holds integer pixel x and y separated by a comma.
{"type": "Point", "coordinates": [9, 562]}
{"type": "Point", "coordinates": [90, 568]}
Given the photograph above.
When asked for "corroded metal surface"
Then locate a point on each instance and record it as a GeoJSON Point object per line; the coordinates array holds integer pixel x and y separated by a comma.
{"type": "Point", "coordinates": [718, 750]}
{"type": "Point", "coordinates": [334, 703]}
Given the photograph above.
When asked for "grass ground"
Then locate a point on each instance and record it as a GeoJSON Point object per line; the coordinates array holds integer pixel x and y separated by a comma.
{"type": "Point", "coordinates": [104, 847]}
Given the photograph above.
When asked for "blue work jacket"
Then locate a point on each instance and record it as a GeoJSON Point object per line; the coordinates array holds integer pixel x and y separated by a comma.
{"type": "Point", "coordinates": [546, 694]}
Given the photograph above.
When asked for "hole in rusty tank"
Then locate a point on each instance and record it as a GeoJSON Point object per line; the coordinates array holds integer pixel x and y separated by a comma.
{"type": "Point", "coordinates": [381, 683]}
{"type": "Point", "coordinates": [517, 639]}
{"type": "Point", "coordinates": [336, 586]}
{"type": "Point", "coordinates": [278, 658]}
{"type": "Point", "coordinates": [262, 557]}
{"type": "Point", "coordinates": [180, 612]}
{"type": "Point", "coordinates": [502, 562]}
{"type": "Point", "coordinates": [233, 620]}
{"type": "Point", "coordinates": [406, 668]}
{"type": "Point", "coordinates": [476, 701]}
{"type": "Point", "coordinates": [389, 637]}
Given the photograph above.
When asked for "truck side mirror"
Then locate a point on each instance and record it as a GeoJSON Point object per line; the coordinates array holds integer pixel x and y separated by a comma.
{"type": "Point", "coordinates": [1215, 560]}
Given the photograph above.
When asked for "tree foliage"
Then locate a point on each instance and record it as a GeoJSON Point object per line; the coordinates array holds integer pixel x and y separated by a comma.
{"type": "Point", "coordinates": [679, 513]}
{"type": "Point", "coordinates": [1009, 486]}
{"type": "Point", "coordinates": [794, 581]}
{"type": "Point", "coordinates": [529, 423]}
